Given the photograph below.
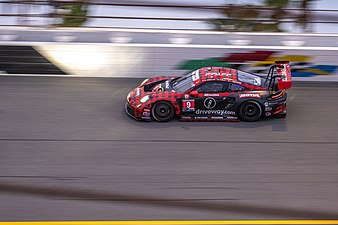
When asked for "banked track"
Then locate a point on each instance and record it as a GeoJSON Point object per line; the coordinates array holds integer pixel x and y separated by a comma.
{"type": "Point", "coordinates": [69, 152]}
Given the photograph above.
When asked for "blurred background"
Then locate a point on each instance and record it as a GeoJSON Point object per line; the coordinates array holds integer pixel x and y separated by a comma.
{"type": "Point", "coordinates": [142, 38]}
{"type": "Point", "coordinates": [68, 151]}
{"type": "Point", "coordinates": [317, 16]}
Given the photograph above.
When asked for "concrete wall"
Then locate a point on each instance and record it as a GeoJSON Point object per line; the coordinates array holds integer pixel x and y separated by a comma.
{"type": "Point", "coordinates": [147, 54]}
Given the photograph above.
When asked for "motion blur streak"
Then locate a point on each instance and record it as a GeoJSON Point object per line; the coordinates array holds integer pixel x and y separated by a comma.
{"type": "Point", "coordinates": [88, 60]}
{"type": "Point", "coordinates": [197, 204]}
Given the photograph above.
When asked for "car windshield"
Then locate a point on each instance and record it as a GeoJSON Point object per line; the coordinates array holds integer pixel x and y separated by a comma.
{"type": "Point", "coordinates": [249, 78]}
{"type": "Point", "coordinates": [184, 83]}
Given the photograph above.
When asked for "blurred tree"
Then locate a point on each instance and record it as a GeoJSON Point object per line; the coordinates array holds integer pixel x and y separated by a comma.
{"type": "Point", "coordinates": [266, 18]}
{"type": "Point", "coordinates": [71, 13]}
{"type": "Point", "coordinates": [303, 18]}
{"type": "Point", "coordinates": [278, 12]}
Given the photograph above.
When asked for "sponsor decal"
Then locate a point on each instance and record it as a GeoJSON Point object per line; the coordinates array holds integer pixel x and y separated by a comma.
{"type": "Point", "coordinates": [186, 96]}
{"type": "Point", "coordinates": [268, 108]}
{"type": "Point", "coordinates": [268, 114]}
{"type": "Point", "coordinates": [249, 95]}
{"type": "Point", "coordinates": [167, 84]}
{"type": "Point", "coordinates": [227, 75]}
{"type": "Point", "coordinates": [266, 104]}
{"type": "Point", "coordinates": [257, 81]}
{"type": "Point", "coordinates": [228, 105]}
{"type": "Point", "coordinates": [211, 94]}
{"type": "Point", "coordinates": [188, 105]}
{"type": "Point", "coordinates": [209, 103]}
{"type": "Point", "coordinates": [217, 117]}
{"type": "Point", "coordinates": [232, 118]}
{"type": "Point", "coordinates": [215, 111]}
{"type": "Point", "coordinates": [146, 114]}
{"type": "Point", "coordinates": [195, 75]}
{"type": "Point", "coordinates": [138, 91]}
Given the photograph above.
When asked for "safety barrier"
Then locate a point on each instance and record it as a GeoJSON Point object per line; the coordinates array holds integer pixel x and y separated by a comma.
{"type": "Point", "coordinates": [146, 53]}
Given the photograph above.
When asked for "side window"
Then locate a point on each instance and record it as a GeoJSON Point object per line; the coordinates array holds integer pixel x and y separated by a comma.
{"type": "Point", "coordinates": [235, 87]}
{"type": "Point", "coordinates": [210, 87]}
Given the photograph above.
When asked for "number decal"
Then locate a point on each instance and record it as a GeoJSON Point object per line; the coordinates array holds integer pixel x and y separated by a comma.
{"type": "Point", "coordinates": [188, 105]}
{"type": "Point", "coordinates": [195, 76]}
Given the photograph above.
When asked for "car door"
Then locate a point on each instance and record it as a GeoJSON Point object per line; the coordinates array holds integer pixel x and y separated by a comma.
{"type": "Point", "coordinates": [210, 100]}
{"type": "Point", "coordinates": [231, 93]}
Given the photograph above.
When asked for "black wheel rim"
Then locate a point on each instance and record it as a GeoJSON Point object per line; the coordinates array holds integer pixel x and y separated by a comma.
{"type": "Point", "coordinates": [162, 111]}
{"type": "Point", "coordinates": [250, 110]}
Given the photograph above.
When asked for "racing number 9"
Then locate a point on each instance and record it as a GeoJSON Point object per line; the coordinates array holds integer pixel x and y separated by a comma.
{"type": "Point", "coordinates": [188, 105]}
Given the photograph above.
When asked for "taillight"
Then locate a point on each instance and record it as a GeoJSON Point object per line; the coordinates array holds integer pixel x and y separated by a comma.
{"type": "Point", "coordinates": [277, 95]}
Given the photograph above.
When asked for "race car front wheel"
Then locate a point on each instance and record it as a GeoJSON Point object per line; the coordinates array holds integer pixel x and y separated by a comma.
{"type": "Point", "coordinates": [250, 111]}
{"type": "Point", "coordinates": [162, 111]}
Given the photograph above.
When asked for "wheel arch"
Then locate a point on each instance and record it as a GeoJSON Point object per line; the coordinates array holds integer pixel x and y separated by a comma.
{"type": "Point", "coordinates": [173, 103]}
{"type": "Point", "coordinates": [158, 101]}
{"type": "Point", "coordinates": [250, 100]}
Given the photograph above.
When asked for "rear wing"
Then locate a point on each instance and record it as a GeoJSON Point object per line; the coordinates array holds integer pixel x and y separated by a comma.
{"type": "Point", "coordinates": [284, 72]}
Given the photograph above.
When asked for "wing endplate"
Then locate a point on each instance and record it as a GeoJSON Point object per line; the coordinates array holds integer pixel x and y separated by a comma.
{"type": "Point", "coordinates": [284, 71]}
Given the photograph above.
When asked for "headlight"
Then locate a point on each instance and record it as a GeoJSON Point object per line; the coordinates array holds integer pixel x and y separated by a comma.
{"type": "Point", "coordinates": [144, 99]}
{"type": "Point", "coordinates": [144, 81]}
{"type": "Point", "coordinates": [128, 97]}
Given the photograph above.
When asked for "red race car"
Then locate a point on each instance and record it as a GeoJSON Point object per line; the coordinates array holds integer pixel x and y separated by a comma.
{"type": "Point", "coordinates": [212, 93]}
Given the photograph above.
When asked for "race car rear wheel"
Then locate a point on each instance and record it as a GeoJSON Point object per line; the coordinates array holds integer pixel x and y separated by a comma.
{"type": "Point", "coordinates": [163, 111]}
{"type": "Point", "coordinates": [250, 111]}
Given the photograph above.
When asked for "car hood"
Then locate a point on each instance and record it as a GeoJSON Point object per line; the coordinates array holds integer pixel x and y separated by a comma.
{"type": "Point", "coordinates": [150, 86]}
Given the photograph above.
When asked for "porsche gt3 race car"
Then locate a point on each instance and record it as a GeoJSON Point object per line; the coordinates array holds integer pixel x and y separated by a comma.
{"type": "Point", "coordinates": [212, 93]}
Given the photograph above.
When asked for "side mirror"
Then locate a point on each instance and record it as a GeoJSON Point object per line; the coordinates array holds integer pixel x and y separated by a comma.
{"type": "Point", "coordinates": [193, 93]}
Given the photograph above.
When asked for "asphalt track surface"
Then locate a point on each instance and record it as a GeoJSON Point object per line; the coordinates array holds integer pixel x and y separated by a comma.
{"type": "Point", "coordinates": [69, 152]}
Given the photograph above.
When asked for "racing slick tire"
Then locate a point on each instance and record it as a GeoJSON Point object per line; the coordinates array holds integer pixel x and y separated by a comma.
{"type": "Point", "coordinates": [162, 111]}
{"type": "Point", "coordinates": [250, 111]}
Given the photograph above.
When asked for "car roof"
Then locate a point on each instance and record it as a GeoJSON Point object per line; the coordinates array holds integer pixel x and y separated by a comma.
{"type": "Point", "coordinates": [214, 74]}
